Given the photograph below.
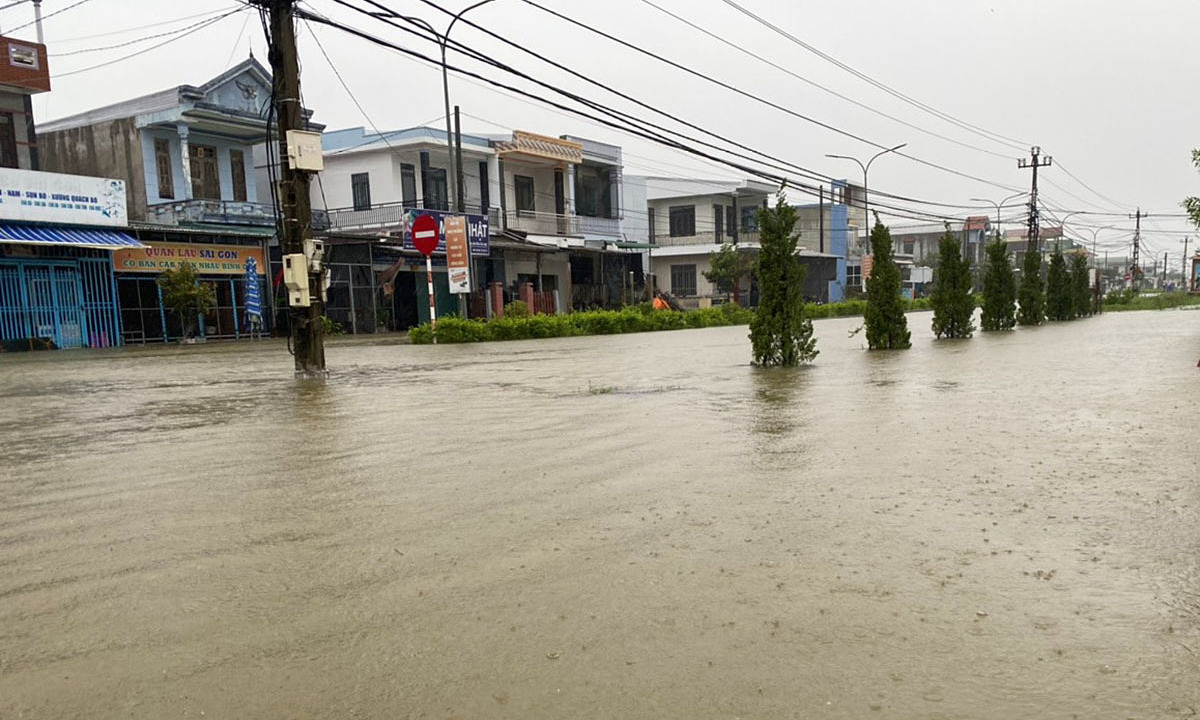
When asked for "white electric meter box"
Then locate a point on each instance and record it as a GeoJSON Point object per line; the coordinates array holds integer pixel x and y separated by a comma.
{"type": "Point", "coordinates": [295, 279]}
{"type": "Point", "coordinates": [304, 151]}
{"type": "Point", "coordinates": [314, 250]}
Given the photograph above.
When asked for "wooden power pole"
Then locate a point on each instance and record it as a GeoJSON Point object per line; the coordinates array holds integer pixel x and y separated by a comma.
{"type": "Point", "coordinates": [295, 209]}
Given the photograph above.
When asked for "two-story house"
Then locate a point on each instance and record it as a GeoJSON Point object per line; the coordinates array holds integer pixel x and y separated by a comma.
{"type": "Point", "coordinates": [689, 219]}
{"type": "Point", "coordinates": [186, 155]}
{"type": "Point", "coordinates": [58, 231]}
{"type": "Point", "coordinates": [550, 206]}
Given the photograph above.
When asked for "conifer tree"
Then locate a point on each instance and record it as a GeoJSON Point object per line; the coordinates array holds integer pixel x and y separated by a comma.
{"type": "Point", "coordinates": [953, 305]}
{"type": "Point", "coordinates": [1081, 285]}
{"type": "Point", "coordinates": [887, 328]}
{"type": "Point", "coordinates": [999, 289]}
{"type": "Point", "coordinates": [1032, 295]}
{"type": "Point", "coordinates": [780, 334]}
{"type": "Point", "coordinates": [1060, 302]}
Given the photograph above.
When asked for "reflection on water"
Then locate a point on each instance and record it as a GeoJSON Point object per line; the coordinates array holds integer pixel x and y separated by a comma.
{"type": "Point", "coordinates": [638, 526]}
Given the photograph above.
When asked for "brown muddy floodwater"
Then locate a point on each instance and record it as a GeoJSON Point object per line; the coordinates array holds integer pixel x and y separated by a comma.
{"type": "Point", "coordinates": [641, 526]}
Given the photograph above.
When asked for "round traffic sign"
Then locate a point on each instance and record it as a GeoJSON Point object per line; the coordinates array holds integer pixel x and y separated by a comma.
{"type": "Point", "coordinates": [425, 234]}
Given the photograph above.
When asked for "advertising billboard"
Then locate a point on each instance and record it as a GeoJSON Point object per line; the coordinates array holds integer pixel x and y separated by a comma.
{"type": "Point", "coordinates": [44, 197]}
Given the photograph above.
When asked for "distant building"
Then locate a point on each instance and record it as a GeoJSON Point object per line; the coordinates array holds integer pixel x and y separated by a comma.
{"type": "Point", "coordinates": [688, 219]}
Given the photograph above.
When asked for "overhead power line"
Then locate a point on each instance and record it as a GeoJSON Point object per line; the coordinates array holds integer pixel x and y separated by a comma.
{"type": "Point", "coordinates": [194, 29]}
{"type": "Point", "coordinates": [814, 174]}
{"type": "Point", "coordinates": [619, 116]}
{"type": "Point", "coordinates": [47, 16]}
{"type": "Point", "coordinates": [756, 98]}
{"type": "Point", "coordinates": [614, 124]}
{"type": "Point", "coordinates": [819, 86]}
{"type": "Point", "coordinates": [994, 137]}
{"type": "Point", "coordinates": [144, 38]}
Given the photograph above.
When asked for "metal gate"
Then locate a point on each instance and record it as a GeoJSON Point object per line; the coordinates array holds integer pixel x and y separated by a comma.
{"type": "Point", "coordinates": [44, 300]}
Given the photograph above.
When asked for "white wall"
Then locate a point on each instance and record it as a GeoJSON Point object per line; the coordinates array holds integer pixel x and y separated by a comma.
{"type": "Point", "coordinates": [384, 169]}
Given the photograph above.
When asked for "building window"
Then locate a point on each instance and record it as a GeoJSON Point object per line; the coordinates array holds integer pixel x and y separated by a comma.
{"type": "Point", "coordinates": [408, 185]}
{"type": "Point", "coordinates": [8, 141]}
{"type": "Point", "coordinates": [683, 280]}
{"type": "Point", "coordinates": [433, 182]}
{"type": "Point", "coordinates": [360, 190]}
{"type": "Point", "coordinates": [237, 167]}
{"type": "Point", "coordinates": [593, 191]}
{"type": "Point", "coordinates": [524, 189]}
{"type": "Point", "coordinates": [162, 164]}
{"type": "Point", "coordinates": [683, 222]}
{"type": "Point", "coordinates": [206, 183]}
{"type": "Point", "coordinates": [484, 193]}
{"type": "Point", "coordinates": [719, 222]}
{"type": "Point", "coordinates": [749, 219]}
{"type": "Point", "coordinates": [853, 275]}
{"type": "Point", "coordinates": [730, 221]}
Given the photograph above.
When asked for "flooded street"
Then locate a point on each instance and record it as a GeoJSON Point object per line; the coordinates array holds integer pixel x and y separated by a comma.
{"type": "Point", "coordinates": [638, 526]}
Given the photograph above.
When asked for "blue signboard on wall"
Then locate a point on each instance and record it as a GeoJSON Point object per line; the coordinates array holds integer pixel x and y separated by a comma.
{"type": "Point", "coordinates": [478, 230]}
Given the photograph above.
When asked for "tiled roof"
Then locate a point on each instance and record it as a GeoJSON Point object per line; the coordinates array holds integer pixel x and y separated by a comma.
{"type": "Point", "coordinates": [543, 146]}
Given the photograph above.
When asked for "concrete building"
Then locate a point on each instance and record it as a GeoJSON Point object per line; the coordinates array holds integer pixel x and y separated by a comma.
{"type": "Point", "coordinates": [689, 219]}
{"type": "Point", "coordinates": [551, 207]}
{"type": "Point", "coordinates": [185, 156]}
{"type": "Point", "coordinates": [58, 232]}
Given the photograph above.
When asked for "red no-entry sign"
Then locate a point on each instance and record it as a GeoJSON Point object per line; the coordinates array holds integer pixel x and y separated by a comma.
{"type": "Point", "coordinates": [425, 234]}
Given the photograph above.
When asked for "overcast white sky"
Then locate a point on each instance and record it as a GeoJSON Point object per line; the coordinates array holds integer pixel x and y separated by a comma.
{"type": "Point", "coordinates": [1106, 87]}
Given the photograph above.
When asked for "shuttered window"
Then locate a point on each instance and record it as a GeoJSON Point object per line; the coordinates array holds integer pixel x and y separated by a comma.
{"type": "Point", "coordinates": [683, 280]}
{"type": "Point", "coordinates": [683, 221]}
{"type": "Point", "coordinates": [162, 164]}
{"type": "Point", "coordinates": [206, 183]}
{"type": "Point", "coordinates": [237, 165]}
{"type": "Point", "coordinates": [360, 188]}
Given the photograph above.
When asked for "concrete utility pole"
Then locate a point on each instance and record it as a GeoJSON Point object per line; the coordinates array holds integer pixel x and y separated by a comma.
{"type": "Point", "coordinates": [1184, 268]}
{"type": "Point", "coordinates": [1137, 242]}
{"type": "Point", "coordinates": [1033, 239]}
{"type": "Point", "coordinates": [295, 207]}
{"type": "Point", "coordinates": [1163, 282]}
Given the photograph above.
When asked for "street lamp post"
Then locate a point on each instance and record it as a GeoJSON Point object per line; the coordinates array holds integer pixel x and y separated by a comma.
{"type": "Point", "coordinates": [998, 205]}
{"type": "Point", "coordinates": [865, 168]}
{"type": "Point", "coordinates": [453, 171]}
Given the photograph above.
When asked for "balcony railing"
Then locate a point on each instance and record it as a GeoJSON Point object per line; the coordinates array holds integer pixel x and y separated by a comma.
{"type": "Point", "coordinates": [540, 223]}
{"type": "Point", "coordinates": [707, 238]}
{"type": "Point", "coordinates": [222, 212]}
{"type": "Point", "coordinates": [599, 226]}
{"type": "Point", "coordinates": [389, 215]}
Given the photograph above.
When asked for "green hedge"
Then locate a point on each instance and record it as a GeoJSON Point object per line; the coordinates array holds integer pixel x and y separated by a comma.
{"type": "Point", "coordinates": [1127, 300]}
{"type": "Point", "coordinates": [638, 318]}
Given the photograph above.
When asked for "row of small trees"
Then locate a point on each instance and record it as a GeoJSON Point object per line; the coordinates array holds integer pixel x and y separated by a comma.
{"type": "Point", "coordinates": [780, 334]}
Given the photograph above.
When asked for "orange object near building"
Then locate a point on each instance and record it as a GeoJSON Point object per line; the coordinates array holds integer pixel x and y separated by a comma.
{"type": "Point", "coordinates": [660, 304]}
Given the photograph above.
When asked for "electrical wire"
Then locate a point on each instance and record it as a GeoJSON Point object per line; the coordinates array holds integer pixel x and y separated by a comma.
{"type": "Point", "coordinates": [819, 86]}
{"type": "Point", "coordinates": [59, 41]}
{"type": "Point", "coordinates": [994, 137]}
{"type": "Point", "coordinates": [149, 37]}
{"type": "Point", "coordinates": [768, 103]}
{"type": "Point", "coordinates": [146, 50]}
{"type": "Point", "coordinates": [45, 17]}
{"type": "Point", "coordinates": [623, 127]}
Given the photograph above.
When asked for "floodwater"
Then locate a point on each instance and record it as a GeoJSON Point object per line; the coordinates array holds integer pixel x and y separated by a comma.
{"type": "Point", "coordinates": [640, 526]}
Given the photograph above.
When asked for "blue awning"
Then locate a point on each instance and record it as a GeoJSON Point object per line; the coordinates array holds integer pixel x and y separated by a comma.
{"type": "Point", "coordinates": [75, 237]}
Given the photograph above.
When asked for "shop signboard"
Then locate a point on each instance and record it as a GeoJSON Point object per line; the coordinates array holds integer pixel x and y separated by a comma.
{"type": "Point", "coordinates": [458, 260]}
{"type": "Point", "coordinates": [45, 197]}
{"type": "Point", "coordinates": [208, 259]}
{"type": "Point", "coordinates": [478, 230]}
